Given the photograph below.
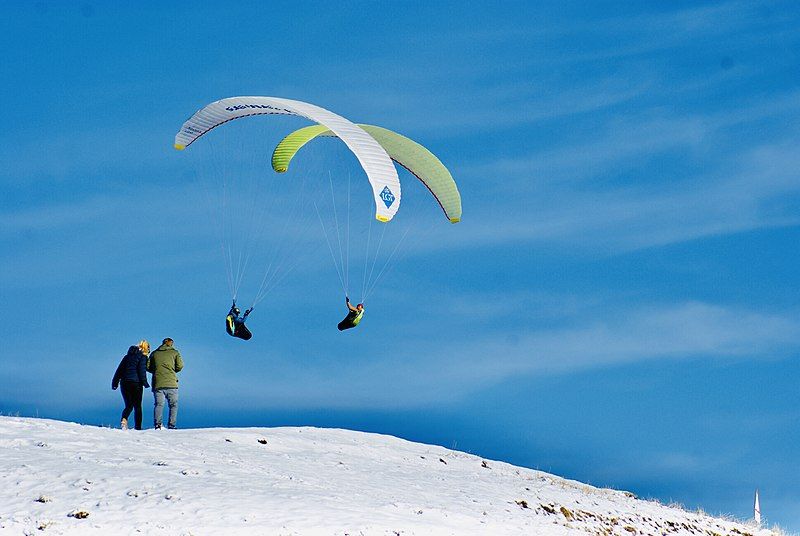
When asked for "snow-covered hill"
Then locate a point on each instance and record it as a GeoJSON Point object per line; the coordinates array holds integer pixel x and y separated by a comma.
{"type": "Point", "coordinates": [65, 478]}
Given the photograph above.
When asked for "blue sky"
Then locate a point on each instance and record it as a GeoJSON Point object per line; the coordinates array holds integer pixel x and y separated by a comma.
{"type": "Point", "coordinates": [619, 304]}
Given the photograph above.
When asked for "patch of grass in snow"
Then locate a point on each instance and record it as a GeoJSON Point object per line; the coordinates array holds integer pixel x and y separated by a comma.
{"type": "Point", "coordinates": [78, 514]}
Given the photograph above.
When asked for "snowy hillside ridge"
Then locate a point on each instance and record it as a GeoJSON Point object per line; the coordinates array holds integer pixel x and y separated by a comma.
{"type": "Point", "coordinates": [65, 478]}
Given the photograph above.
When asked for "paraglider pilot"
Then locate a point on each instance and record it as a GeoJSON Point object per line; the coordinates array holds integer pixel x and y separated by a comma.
{"type": "Point", "coordinates": [353, 317]}
{"type": "Point", "coordinates": [234, 323]}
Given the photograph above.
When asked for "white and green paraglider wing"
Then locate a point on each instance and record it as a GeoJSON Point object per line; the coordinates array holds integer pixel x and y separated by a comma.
{"type": "Point", "coordinates": [381, 174]}
{"type": "Point", "coordinates": [406, 152]}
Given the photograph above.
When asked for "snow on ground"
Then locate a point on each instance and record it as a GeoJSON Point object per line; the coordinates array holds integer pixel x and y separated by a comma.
{"type": "Point", "coordinates": [65, 478]}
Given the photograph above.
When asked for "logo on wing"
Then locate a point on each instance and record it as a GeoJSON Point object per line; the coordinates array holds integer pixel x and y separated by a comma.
{"type": "Point", "coordinates": [387, 196]}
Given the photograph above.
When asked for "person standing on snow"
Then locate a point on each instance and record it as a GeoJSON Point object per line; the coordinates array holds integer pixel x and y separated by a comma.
{"type": "Point", "coordinates": [131, 373]}
{"type": "Point", "coordinates": [164, 363]}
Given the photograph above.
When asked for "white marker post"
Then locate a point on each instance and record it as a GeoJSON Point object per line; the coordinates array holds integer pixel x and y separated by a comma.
{"type": "Point", "coordinates": [757, 510]}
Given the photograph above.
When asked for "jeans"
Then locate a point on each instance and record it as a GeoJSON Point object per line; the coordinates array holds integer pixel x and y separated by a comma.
{"type": "Point", "coordinates": [172, 400]}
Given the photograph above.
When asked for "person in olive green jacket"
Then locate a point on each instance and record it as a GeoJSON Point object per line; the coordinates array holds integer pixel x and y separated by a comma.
{"type": "Point", "coordinates": [164, 363]}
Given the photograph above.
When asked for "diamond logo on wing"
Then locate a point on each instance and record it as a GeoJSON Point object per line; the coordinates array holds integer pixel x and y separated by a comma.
{"type": "Point", "coordinates": [387, 196]}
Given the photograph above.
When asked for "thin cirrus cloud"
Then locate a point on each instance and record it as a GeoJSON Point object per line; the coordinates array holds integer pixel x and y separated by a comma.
{"type": "Point", "coordinates": [649, 34]}
{"type": "Point", "coordinates": [730, 187]}
{"type": "Point", "coordinates": [629, 140]}
{"type": "Point", "coordinates": [680, 331]}
{"type": "Point", "coordinates": [512, 104]}
{"type": "Point", "coordinates": [414, 374]}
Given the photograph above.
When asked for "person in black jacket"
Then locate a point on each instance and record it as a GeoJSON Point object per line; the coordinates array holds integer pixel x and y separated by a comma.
{"type": "Point", "coordinates": [131, 372]}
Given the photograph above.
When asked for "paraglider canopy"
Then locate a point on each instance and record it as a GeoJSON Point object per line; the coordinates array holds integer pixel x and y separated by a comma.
{"type": "Point", "coordinates": [411, 155]}
{"type": "Point", "coordinates": [373, 158]}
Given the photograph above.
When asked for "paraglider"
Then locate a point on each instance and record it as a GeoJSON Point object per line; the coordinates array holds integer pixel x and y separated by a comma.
{"type": "Point", "coordinates": [404, 151]}
{"type": "Point", "coordinates": [234, 323]}
{"type": "Point", "coordinates": [422, 163]}
{"type": "Point", "coordinates": [376, 164]}
{"type": "Point", "coordinates": [376, 150]}
{"type": "Point", "coordinates": [354, 315]}
{"type": "Point", "coordinates": [373, 158]}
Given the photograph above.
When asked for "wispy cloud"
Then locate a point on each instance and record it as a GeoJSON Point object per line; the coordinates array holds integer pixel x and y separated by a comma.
{"type": "Point", "coordinates": [677, 332]}
{"type": "Point", "coordinates": [557, 70]}
{"type": "Point", "coordinates": [55, 216]}
{"type": "Point", "coordinates": [615, 193]}
{"type": "Point", "coordinates": [637, 35]}
{"type": "Point", "coordinates": [83, 153]}
{"type": "Point", "coordinates": [414, 373]}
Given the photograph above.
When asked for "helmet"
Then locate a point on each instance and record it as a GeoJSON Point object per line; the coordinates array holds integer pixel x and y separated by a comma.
{"type": "Point", "coordinates": [236, 310]}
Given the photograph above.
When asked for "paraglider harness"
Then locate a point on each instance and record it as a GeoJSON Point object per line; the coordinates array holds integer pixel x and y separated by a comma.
{"type": "Point", "coordinates": [234, 324]}
{"type": "Point", "coordinates": [353, 317]}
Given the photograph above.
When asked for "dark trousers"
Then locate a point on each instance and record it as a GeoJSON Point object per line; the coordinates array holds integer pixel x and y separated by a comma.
{"type": "Point", "coordinates": [239, 329]}
{"type": "Point", "coordinates": [132, 395]}
{"type": "Point", "coordinates": [347, 323]}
